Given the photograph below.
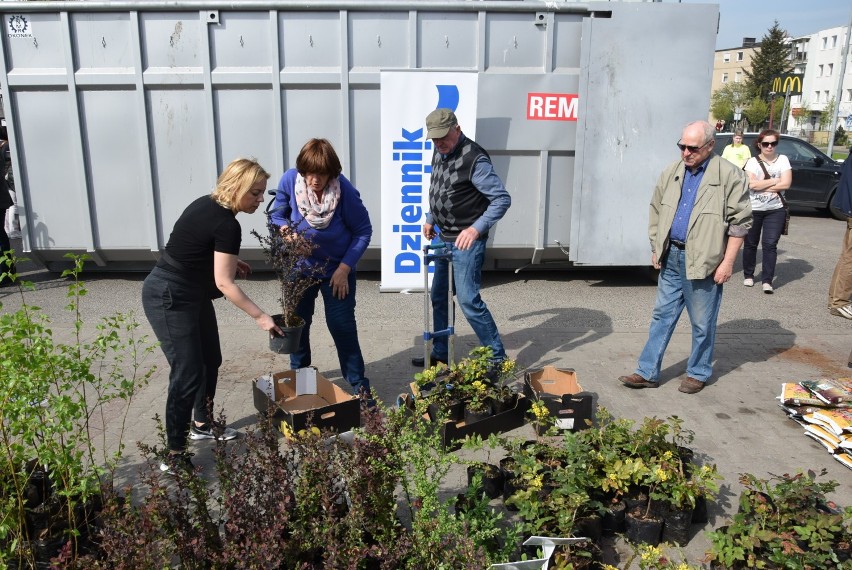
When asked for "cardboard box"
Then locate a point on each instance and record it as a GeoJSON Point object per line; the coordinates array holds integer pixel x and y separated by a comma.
{"type": "Point", "coordinates": [452, 433]}
{"type": "Point", "coordinates": [560, 391]}
{"type": "Point", "coordinates": [299, 394]}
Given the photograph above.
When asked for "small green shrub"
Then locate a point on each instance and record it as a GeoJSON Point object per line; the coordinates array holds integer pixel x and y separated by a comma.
{"type": "Point", "coordinates": [52, 400]}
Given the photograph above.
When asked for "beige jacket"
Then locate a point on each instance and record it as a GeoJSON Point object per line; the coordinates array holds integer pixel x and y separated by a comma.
{"type": "Point", "coordinates": [722, 209]}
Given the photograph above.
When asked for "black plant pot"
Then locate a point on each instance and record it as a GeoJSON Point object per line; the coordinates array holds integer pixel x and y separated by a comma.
{"type": "Point", "coordinates": [613, 519]}
{"type": "Point", "coordinates": [509, 486]}
{"type": "Point", "coordinates": [45, 549]}
{"type": "Point", "coordinates": [39, 488]}
{"type": "Point", "coordinates": [504, 405]}
{"type": "Point", "coordinates": [676, 526]}
{"type": "Point", "coordinates": [643, 531]}
{"type": "Point", "coordinates": [492, 478]}
{"type": "Point", "coordinates": [471, 416]}
{"type": "Point", "coordinates": [454, 411]}
{"type": "Point", "coordinates": [590, 527]}
{"type": "Point", "coordinates": [699, 513]}
{"type": "Point", "coordinates": [289, 342]}
{"type": "Point", "coordinates": [636, 499]}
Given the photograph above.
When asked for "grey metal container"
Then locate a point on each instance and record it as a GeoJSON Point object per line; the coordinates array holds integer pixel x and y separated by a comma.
{"type": "Point", "coordinates": [120, 113]}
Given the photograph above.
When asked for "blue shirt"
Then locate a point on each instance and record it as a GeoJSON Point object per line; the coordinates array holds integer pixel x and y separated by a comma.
{"type": "Point", "coordinates": [346, 237]}
{"type": "Point", "coordinates": [688, 192]}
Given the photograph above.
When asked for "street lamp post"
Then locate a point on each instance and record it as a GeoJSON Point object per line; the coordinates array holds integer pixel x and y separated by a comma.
{"type": "Point", "coordinates": [771, 107]}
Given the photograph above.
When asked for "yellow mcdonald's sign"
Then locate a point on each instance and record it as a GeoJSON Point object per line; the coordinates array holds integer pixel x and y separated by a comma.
{"type": "Point", "coordinates": [790, 81]}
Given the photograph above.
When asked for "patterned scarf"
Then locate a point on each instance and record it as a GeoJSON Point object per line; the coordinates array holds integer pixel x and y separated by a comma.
{"type": "Point", "coordinates": [317, 213]}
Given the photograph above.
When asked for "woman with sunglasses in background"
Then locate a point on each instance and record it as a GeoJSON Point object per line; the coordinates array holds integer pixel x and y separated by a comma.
{"type": "Point", "coordinates": [769, 175]}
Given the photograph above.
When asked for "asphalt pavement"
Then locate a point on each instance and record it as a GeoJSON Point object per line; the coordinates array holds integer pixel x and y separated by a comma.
{"type": "Point", "coordinates": [592, 320]}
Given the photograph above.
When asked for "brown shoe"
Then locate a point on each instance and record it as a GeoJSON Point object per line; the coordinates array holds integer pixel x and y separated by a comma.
{"type": "Point", "coordinates": [691, 386]}
{"type": "Point", "coordinates": [636, 381]}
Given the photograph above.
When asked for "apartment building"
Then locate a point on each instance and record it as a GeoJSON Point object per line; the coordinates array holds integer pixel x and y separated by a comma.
{"type": "Point", "coordinates": [819, 57]}
{"type": "Point", "coordinates": [730, 65]}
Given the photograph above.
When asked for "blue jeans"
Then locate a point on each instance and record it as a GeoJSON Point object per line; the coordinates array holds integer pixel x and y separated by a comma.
{"type": "Point", "coordinates": [340, 318]}
{"type": "Point", "coordinates": [702, 298]}
{"type": "Point", "coordinates": [184, 321]}
{"type": "Point", "coordinates": [467, 277]}
{"type": "Point", "coordinates": [772, 223]}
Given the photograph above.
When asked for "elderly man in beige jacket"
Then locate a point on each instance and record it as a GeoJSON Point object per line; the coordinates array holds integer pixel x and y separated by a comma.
{"type": "Point", "coordinates": [699, 216]}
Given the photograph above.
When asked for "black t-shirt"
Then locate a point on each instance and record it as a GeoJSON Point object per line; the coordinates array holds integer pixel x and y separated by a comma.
{"type": "Point", "coordinates": [204, 227]}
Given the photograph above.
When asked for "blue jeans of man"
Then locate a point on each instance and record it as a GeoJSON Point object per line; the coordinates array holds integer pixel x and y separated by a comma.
{"type": "Point", "coordinates": [340, 318]}
{"type": "Point", "coordinates": [702, 299]}
{"type": "Point", "coordinates": [467, 277]}
{"type": "Point", "coordinates": [770, 223]}
{"type": "Point", "coordinates": [184, 321]}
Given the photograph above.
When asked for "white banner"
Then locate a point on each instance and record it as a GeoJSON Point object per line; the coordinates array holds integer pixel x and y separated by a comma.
{"type": "Point", "coordinates": [406, 98]}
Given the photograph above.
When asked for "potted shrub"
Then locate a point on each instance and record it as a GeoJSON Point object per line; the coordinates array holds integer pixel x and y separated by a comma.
{"type": "Point", "coordinates": [477, 404]}
{"type": "Point", "coordinates": [784, 522]}
{"type": "Point", "coordinates": [469, 385]}
{"type": "Point", "coordinates": [500, 391]}
{"type": "Point", "coordinates": [445, 402]}
{"type": "Point", "coordinates": [53, 479]}
{"type": "Point", "coordinates": [286, 248]}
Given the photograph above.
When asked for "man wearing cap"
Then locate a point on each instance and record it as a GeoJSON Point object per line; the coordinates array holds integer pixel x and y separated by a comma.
{"type": "Point", "coordinates": [700, 214]}
{"type": "Point", "coordinates": [466, 198]}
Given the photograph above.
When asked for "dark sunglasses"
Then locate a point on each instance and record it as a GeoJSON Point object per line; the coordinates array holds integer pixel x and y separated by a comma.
{"type": "Point", "coordinates": [692, 149]}
{"type": "Point", "coordinates": [769, 144]}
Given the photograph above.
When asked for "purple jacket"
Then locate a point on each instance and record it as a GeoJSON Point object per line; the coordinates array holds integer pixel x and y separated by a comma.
{"type": "Point", "coordinates": [346, 237]}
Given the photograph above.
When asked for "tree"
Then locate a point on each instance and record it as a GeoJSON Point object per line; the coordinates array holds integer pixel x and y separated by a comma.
{"type": "Point", "coordinates": [802, 113]}
{"type": "Point", "coordinates": [827, 113]}
{"type": "Point", "coordinates": [757, 112]}
{"type": "Point", "coordinates": [771, 59]}
{"type": "Point", "coordinates": [726, 99]}
{"type": "Point", "coordinates": [840, 135]}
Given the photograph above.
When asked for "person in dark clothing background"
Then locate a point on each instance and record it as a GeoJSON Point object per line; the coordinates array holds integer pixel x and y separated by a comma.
{"type": "Point", "coordinates": [7, 269]}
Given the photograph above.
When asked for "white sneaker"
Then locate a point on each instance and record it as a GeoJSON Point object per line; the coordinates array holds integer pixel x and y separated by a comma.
{"type": "Point", "coordinates": [748, 282]}
{"type": "Point", "coordinates": [767, 288]}
{"type": "Point", "coordinates": [845, 311]}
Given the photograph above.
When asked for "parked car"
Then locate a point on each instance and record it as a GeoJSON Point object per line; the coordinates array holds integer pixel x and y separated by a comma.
{"type": "Point", "coordinates": [815, 174]}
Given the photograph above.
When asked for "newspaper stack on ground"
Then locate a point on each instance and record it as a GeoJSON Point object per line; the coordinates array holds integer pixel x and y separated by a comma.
{"type": "Point", "coordinates": [824, 407]}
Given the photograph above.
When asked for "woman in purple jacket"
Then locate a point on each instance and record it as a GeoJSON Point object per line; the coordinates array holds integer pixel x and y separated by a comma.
{"type": "Point", "coordinates": [317, 199]}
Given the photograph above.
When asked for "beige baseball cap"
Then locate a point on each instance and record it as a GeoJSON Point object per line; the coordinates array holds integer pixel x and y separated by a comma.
{"type": "Point", "coordinates": [439, 122]}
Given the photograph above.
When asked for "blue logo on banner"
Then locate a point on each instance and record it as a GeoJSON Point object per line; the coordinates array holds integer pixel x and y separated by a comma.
{"type": "Point", "coordinates": [448, 97]}
{"type": "Point", "coordinates": [413, 153]}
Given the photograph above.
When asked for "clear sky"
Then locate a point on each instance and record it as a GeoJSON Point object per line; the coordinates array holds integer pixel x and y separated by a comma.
{"type": "Point", "coordinates": [752, 18]}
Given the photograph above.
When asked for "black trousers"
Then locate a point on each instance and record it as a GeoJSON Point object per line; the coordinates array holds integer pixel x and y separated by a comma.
{"type": "Point", "coordinates": [770, 223]}
{"type": "Point", "coordinates": [184, 320]}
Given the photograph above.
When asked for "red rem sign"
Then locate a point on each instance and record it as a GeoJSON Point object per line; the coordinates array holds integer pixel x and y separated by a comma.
{"type": "Point", "coordinates": [552, 106]}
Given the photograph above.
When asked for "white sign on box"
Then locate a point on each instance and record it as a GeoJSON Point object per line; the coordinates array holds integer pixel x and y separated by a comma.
{"type": "Point", "coordinates": [306, 381]}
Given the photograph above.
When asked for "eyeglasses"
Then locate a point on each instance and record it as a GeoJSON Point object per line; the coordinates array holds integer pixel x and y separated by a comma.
{"type": "Point", "coordinates": [768, 144]}
{"type": "Point", "coordinates": [691, 149]}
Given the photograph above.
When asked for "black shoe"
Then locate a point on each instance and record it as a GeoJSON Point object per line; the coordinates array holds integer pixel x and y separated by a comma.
{"type": "Point", "coordinates": [418, 361]}
{"type": "Point", "coordinates": [175, 463]}
{"type": "Point", "coordinates": [495, 368]}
